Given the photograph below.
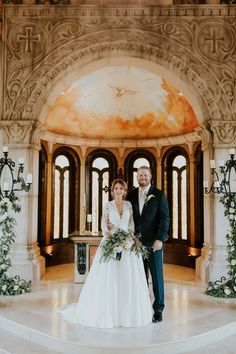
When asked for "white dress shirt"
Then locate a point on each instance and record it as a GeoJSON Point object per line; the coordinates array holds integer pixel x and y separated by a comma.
{"type": "Point", "coordinates": [142, 193]}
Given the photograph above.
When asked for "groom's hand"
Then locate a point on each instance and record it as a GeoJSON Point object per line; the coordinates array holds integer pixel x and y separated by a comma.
{"type": "Point", "coordinates": [157, 245]}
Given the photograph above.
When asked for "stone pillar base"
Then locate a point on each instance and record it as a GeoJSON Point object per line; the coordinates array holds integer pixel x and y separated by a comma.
{"type": "Point", "coordinates": [212, 264]}
{"type": "Point", "coordinates": [27, 262]}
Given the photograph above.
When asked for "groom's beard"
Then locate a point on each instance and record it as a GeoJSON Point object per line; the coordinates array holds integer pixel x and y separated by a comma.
{"type": "Point", "coordinates": [143, 183]}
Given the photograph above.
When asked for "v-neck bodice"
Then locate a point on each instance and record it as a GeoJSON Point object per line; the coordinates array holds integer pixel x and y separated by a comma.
{"type": "Point", "coordinates": [124, 221]}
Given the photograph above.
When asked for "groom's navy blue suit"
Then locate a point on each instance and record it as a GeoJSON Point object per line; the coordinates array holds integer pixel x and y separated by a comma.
{"type": "Point", "coordinates": [152, 224]}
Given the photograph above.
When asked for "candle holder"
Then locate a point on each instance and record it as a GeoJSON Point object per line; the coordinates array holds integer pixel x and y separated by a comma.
{"type": "Point", "coordinates": [89, 221]}
{"type": "Point", "coordinates": [16, 183]}
{"type": "Point", "coordinates": [9, 203]}
{"type": "Point", "coordinates": [226, 185]}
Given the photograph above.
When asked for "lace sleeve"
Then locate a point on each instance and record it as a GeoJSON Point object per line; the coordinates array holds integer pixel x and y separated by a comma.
{"type": "Point", "coordinates": [131, 219]}
{"type": "Point", "coordinates": [105, 218]}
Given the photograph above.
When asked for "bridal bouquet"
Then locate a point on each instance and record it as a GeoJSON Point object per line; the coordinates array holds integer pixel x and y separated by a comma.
{"type": "Point", "coordinates": [120, 241]}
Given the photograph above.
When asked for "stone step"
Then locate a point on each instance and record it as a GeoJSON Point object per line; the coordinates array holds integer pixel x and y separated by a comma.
{"type": "Point", "coordinates": [36, 331]}
{"type": "Point", "coordinates": [11, 343]}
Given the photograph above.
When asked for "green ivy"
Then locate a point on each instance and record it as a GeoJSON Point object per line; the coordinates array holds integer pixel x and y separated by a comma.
{"type": "Point", "coordinates": [9, 285]}
{"type": "Point", "coordinates": [227, 287]}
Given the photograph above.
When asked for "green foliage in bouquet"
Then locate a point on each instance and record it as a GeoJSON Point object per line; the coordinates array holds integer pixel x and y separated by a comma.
{"type": "Point", "coordinates": [9, 285]}
{"type": "Point", "coordinates": [120, 241]}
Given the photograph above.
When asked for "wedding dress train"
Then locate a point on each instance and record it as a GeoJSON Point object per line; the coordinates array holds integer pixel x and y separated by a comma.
{"type": "Point", "coordinates": [115, 293]}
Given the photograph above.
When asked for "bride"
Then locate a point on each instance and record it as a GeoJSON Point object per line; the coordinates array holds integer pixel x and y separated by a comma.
{"type": "Point", "coordinates": [115, 293]}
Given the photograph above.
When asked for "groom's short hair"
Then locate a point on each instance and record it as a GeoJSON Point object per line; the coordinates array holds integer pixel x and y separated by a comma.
{"type": "Point", "coordinates": [144, 168]}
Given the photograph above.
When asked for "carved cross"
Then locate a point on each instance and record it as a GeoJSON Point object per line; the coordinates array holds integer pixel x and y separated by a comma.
{"type": "Point", "coordinates": [214, 40]}
{"type": "Point", "coordinates": [28, 38]}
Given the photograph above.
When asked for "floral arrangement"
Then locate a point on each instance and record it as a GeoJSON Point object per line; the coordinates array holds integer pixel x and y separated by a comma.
{"type": "Point", "coordinates": [9, 285]}
{"type": "Point", "coordinates": [119, 241]}
{"type": "Point", "coordinates": [226, 288]}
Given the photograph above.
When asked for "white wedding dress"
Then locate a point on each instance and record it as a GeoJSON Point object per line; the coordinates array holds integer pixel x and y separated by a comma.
{"type": "Point", "coordinates": [115, 293]}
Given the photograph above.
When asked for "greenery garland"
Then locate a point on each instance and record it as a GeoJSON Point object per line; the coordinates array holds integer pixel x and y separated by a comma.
{"type": "Point", "coordinates": [224, 287]}
{"type": "Point", "coordinates": [9, 285]}
{"type": "Point", "coordinates": [119, 241]}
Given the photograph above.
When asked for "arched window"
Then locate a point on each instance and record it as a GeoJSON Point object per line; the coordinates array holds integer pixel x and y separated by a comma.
{"type": "Point", "coordinates": [179, 198]}
{"type": "Point", "coordinates": [175, 183]}
{"type": "Point", "coordinates": [65, 196]}
{"type": "Point", "coordinates": [61, 197]}
{"type": "Point", "coordinates": [42, 202]}
{"type": "Point", "coordinates": [101, 169]}
{"type": "Point", "coordinates": [135, 160]}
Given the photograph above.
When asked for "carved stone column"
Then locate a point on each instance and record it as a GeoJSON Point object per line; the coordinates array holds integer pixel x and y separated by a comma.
{"type": "Point", "coordinates": [212, 265]}
{"type": "Point", "coordinates": [26, 258]}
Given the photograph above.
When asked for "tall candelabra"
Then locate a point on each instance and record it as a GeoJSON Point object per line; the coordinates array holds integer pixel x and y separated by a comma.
{"type": "Point", "coordinates": [226, 185]}
{"type": "Point", "coordinates": [9, 187]}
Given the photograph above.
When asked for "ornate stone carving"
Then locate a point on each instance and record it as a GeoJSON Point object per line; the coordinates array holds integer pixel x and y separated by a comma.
{"type": "Point", "coordinates": [205, 135]}
{"type": "Point", "coordinates": [18, 132]}
{"type": "Point", "coordinates": [46, 42]}
{"type": "Point", "coordinates": [224, 132]}
{"type": "Point", "coordinates": [215, 41]}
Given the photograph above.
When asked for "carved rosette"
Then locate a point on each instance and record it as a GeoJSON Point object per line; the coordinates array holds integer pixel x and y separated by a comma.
{"type": "Point", "coordinates": [224, 132]}
{"type": "Point", "coordinates": [46, 42]}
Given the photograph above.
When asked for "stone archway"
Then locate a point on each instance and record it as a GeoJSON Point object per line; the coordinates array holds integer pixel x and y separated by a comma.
{"type": "Point", "coordinates": [68, 42]}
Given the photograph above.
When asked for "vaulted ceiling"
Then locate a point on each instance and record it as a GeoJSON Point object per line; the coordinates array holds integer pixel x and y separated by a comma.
{"type": "Point", "coordinates": [120, 102]}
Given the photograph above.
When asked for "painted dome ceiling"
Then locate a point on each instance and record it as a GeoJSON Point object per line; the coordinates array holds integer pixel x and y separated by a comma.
{"type": "Point", "coordinates": [121, 102]}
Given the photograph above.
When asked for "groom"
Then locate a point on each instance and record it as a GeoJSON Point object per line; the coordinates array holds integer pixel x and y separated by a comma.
{"type": "Point", "coordinates": [151, 219]}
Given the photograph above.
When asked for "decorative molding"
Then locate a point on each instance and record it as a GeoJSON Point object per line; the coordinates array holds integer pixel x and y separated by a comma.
{"type": "Point", "coordinates": [84, 143]}
{"type": "Point", "coordinates": [83, 150]}
{"type": "Point", "coordinates": [18, 132]}
{"type": "Point", "coordinates": [45, 42]}
{"type": "Point", "coordinates": [190, 147]}
{"type": "Point", "coordinates": [93, 11]}
{"type": "Point", "coordinates": [224, 132]}
{"type": "Point", "coordinates": [205, 135]}
{"type": "Point", "coordinates": [121, 151]}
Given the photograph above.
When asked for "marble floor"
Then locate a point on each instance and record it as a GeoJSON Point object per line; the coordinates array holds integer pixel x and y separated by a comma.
{"type": "Point", "coordinates": [193, 322]}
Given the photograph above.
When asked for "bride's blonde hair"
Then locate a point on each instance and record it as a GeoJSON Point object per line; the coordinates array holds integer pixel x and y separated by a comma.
{"type": "Point", "coordinates": [122, 183]}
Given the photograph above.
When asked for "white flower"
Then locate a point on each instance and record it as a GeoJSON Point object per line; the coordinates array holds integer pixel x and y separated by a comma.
{"type": "Point", "coordinates": [118, 249]}
{"type": "Point", "coordinates": [23, 291]}
{"type": "Point", "coordinates": [148, 198]}
{"type": "Point", "coordinates": [16, 287]}
{"type": "Point", "coordinates": [235, 288]}
{"type": "Point", "coordinates": [232, 204]}
{"type": "Point", "coordinates": [231, 210]}
{"type": "Point", "coordinates": [233, 262]}
{"type": "Point", "coordinates": [129, 243]}
{"type": "Point", "coordinates": [4, 287]}
{"type": "Point", "coordinates": [227, 291]}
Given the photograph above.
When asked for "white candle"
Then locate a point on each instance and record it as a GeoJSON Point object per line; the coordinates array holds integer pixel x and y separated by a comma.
{"type": "Point", "coordinates": [221, 163]}
{"type": "Point", "coordinates": [205, 184]}
{"type": "Point", "coordinates": [29, 178]}
{"type": "Point", "coordinates": [232, 151]}
{"type": "Point", "coordinates": [89, 218]}
{"type": "Point", "coordinates": [6, 186]}
{"type": "Point", "coordinates": [5, 148]}
{"type": "Point", "coordinates": [233, 186]}
{"type": "Point", "coordinates": [84, 200]}
{"type": "Point", "coordinates": [216, 184]}
{"type": "Point", "coordinates": [212, 163]}
{"type": "Point", "coordinates": [20, 161]}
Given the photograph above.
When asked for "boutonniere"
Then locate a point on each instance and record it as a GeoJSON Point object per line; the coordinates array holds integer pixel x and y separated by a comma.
{"type": "Point", "coordinates": [150, 196]}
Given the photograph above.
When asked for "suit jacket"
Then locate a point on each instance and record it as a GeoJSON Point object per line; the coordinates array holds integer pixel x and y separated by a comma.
{"type": "Point", "coordinates": [153, 222]}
